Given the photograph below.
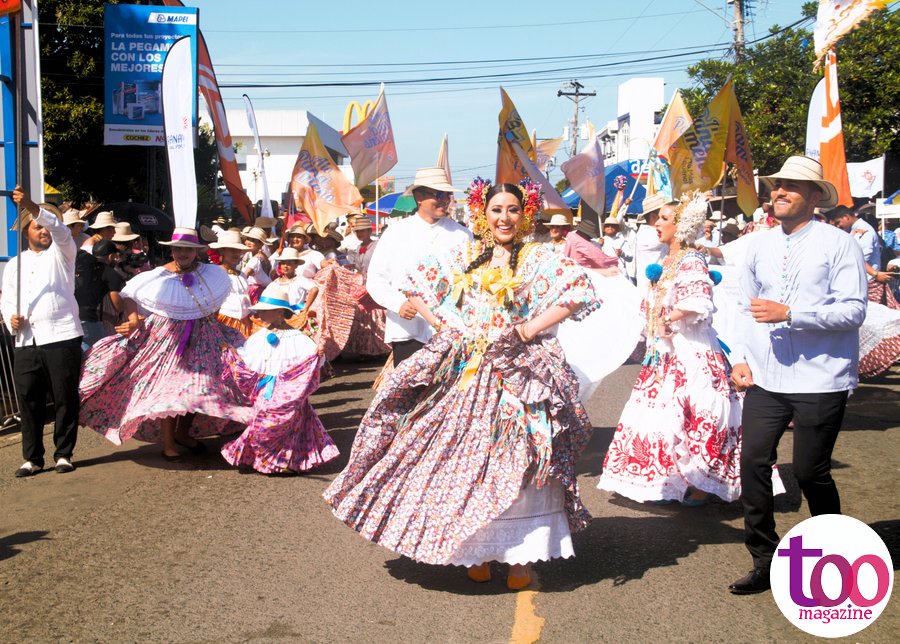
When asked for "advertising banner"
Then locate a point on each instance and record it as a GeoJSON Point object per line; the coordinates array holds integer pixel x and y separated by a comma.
{"type": "Point", "coordinates": [179, 98]}
{"type": "Point", "coordinates": [137, 40]}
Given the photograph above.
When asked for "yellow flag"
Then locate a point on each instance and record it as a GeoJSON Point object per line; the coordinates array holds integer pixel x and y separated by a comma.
{"type": "Point", "coordinates": [674, 123]}
{"type": "Point", "coordinates": [319, 188]}
{"type": "Point", "coordinates": [697, 157]}
{"type": "Point", "coordinates": [737, 152]}
{"type": "Point", "coordinates": [512, 130]}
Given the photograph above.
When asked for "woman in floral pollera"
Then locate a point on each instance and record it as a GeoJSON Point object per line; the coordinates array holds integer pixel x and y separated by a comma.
{"type": "Point", "coordinates": [467, 454]}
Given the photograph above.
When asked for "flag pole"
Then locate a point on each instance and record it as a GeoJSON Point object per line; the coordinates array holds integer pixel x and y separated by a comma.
{"type": "Point", "coordinates": [19, 148]}
{"type": "Point", "coordinates": [377, 195]}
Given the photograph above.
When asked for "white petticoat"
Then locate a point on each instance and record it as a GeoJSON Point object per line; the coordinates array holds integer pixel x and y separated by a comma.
{"type": "Point", "coordinates": [533, 528]}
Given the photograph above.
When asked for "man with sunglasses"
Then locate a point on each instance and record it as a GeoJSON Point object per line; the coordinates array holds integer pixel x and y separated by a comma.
{"type": "Point", "coordinates": [428, 231]}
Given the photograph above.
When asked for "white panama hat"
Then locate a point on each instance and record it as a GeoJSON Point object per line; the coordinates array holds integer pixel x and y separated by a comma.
{"type": "Point", "coordinates": [800, 168]}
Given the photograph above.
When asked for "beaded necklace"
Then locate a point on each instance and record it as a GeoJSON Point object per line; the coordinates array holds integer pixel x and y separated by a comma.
{"type": "Point", "coordinates": [659, 291]}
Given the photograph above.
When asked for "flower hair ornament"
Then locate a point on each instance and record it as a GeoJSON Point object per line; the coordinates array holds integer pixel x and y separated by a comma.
{"type": "Point", "coordinates": [690, 215]}
{"type": "Point", "coordinates": [476, 200]}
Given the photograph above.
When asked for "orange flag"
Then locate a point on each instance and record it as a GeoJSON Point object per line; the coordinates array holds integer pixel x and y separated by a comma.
{"type": "Point", "coordinates": [544, 151]}
{"type": "Point", "coordinates": [674, 123]}
{"type": "Point", "coordinates": [697, 157]}
{"type": "Point", "coordinates": [512, 130]}
{"type": "Point", "coordinates": [831, 145]}
{"type": "Point", "coordinates": [319, 188]}
{"type": "Point", "coordinates": [371, 144]}
{"type": "Point", "coordinates": [209, 87]}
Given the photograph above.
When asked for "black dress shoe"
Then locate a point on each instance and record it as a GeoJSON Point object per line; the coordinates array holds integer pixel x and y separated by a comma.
{"type": "Point", "coordinates": [755, 581]}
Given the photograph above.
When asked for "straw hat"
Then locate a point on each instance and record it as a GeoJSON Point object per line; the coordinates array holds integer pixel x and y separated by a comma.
{"type": "Point", "coordinates": [288, 254]}
{"type": "Point", "coordinates": [612, 221]}
{"type": "Point", "coordinates": [73, 216]}
{"type": "Point", "coordinates": [651, 204]}
{"type": "Point", "coordinates": [207, 234]}
{"type": "Point", "coordinates": [716, 216]}
{"type": "Point", "coordinates": [274, 297]}
{"type": "Point", "coordinates": [264, 222]}
{"type": "Point", "coordinates": [257, 233]}
{"type": "Point", "coordinates": [800, 168]}
{"type": "Point", "coordinates": [361, 223]}
{"type": "Point", "coordinates": [184, 238]}
{"type": "Point", "coordinates": [559, 219]}
{"type": "Point", "coordinates": [434, 178]}
{"type": "Point", "coordinates": [229, 239]}
{"type": "Point", "coordinates": [731, 227]}
{"type": "Point", "coordinates": [124, 233]}
{"type": "Point", "coordinates": [104, 219]}
{"type": "Point", "coordinates": [297, 229]}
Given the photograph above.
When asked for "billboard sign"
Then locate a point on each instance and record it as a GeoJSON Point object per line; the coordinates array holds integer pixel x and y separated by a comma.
{"type": "Point", "coordinates": [137, 40]}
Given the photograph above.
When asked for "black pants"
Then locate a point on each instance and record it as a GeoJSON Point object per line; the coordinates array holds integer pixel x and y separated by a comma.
{"type": "Point", "coordinates": [404, 349]}
{"type": "Point", "coordinates": [817, 421]}
{"type": "Point", "coordinates": [50, 368]}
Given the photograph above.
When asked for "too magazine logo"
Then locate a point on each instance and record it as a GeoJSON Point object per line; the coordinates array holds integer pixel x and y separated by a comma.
{"type": "Point", "coordinates": [832, 576]}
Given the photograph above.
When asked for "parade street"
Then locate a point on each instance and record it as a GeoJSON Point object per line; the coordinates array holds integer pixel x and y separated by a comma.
{"type": "Point", "coordinates": [132, 549]}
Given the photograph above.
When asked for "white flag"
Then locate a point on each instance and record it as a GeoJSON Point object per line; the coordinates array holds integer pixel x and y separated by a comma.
{"type": "Point", "coordinates": [266, 210]}
{"type": "Point", "coordinates": [552, 200]}
{"type": "Point", "coordinates": [178, 108]}
{"type": "Point", "coordinates": [587, 177]}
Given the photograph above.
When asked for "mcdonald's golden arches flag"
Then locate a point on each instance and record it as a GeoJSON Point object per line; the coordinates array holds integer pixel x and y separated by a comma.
{"type": "Point", "coordinates": [512, 130]}
{"type": "Point", "coordinates": [371, 144]}
{"type": "Point", "coordinates": [318, 186]}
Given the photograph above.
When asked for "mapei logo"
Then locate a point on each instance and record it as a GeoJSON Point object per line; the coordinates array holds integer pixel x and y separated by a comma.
{"type": "Point", "coordinates": [832, 576]}
{"type": "Point", "coordinates": [158, 17]}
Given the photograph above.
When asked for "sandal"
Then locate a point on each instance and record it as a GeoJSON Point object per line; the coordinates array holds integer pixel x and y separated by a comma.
{"type": "Point", "coordinates": [480, 573]}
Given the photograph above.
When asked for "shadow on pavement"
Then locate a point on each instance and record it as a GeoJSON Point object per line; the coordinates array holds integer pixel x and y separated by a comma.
{"type": "Point", "coordinates": [889, 531]}
{"type": "Point", "coordinates": [8, 543]}
{"type": "Point", "coordinates": [620, 549]}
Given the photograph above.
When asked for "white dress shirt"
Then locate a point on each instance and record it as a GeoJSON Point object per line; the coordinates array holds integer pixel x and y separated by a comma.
{"type": "Point", "coordinates": [867, 238]}
{"type": "Point", "coordinates": [399, 249]}
{"type": "Point", "coordinates": [818, 272]}
{"type": "Point", "coordinates": [48, 289]}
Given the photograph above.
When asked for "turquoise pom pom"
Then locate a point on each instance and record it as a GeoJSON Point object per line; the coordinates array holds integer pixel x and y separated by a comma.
{"type": "Point", "coordinates": [272, 339]}
{"type": "Point", "coordinates": [716, 277]}
{"type": "Point", "coordinates": [654, 272]}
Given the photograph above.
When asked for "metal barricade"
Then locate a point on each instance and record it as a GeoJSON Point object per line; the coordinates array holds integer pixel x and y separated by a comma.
{"type": "Point", "coordinates": [9, 405]}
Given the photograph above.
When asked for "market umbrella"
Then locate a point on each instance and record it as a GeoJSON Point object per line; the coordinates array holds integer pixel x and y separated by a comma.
{"type": "Point", "coordinates": [385, 204]}
{"type": "Point", "coordinates": [395, 204]}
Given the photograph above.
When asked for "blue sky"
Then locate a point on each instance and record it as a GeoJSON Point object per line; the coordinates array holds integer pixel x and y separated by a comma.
{"type": "Point", "coordinates": [275, 41]}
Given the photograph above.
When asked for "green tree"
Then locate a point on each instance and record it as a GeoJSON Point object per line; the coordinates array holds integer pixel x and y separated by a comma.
{"type": "Point", "coordinates": [775, 82]}
{"type": "Point", "coordinates": [76, 161]}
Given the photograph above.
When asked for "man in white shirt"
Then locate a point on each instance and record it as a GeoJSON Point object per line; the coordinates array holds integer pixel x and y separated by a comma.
{"type": "Point", "coordinates": [428, 231]}
{"type": "Point", "coordinates": [48, 334]}
{"type": "Point", "coordinates": [802, 300]}
{"type": "Point", "coordinates": [647, 247]}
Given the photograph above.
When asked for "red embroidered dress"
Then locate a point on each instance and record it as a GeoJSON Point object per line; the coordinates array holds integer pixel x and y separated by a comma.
{"type": "Point", "coordinates": [682, 425]}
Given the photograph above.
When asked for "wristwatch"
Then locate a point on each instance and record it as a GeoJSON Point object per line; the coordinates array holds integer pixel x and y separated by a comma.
{"type": "Point", "coordinates": [789, 319]}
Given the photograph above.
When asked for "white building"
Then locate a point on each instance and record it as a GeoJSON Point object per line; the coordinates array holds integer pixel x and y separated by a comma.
{"type": "Point", "coordinates": [639, 111]}
{"type": "Point", "coordinates": [281, 134]}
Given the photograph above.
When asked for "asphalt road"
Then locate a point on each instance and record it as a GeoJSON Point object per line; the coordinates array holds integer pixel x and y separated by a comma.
{"type": "Point", "coordinates": [129, 548]}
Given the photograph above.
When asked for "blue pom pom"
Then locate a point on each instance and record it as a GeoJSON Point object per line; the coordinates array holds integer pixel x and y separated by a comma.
{"type": "Point", "coordinates": [654, 272]}
{"type": "Point", "coordinates": [272, 339]}
{"type": "Point", "coordinates": [716, 277]}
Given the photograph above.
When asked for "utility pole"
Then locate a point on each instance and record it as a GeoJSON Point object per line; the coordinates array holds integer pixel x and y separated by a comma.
{"type": "Point", "coordinates": [575, 97]}
{"type": "Point", "coordinates": [739, 14]}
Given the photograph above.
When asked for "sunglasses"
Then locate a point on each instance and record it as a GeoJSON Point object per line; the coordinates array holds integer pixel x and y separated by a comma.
{"type": "Point", "coordinates": [435, 194]}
